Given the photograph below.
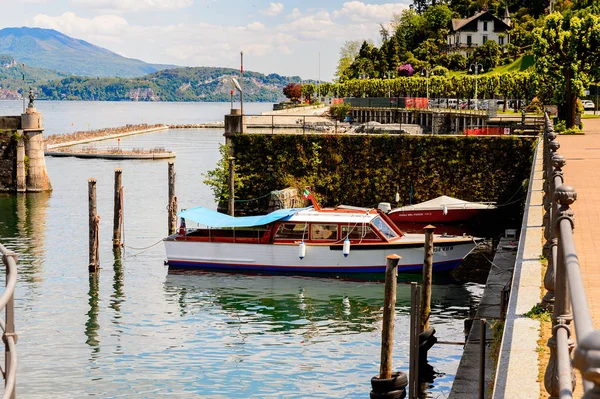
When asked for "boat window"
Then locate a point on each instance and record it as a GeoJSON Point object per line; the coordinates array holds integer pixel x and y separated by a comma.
{"type": "Point", "coordinates": [292, 231]}
{"type": "Point", "coordinates": [359, 232]}
{"type": "Point", "coordinates": [383, 227]}
{"type": "Point", "coordinates": [323, 231]}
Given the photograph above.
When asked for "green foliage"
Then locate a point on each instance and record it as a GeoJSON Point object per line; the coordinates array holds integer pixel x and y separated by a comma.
{"type": "Point", "coordinates": [567, 51]}
{"type": "Point", "coordinates": [488, 54]}
{"type": "Point", "coordinates": [538, 312]}
{"type": "Point", "coordinates": [363, 170]}
{"type": "Point", "coordinates": [218, 178]}
{"type": "Point", "coordinates": [340, 111]}
{"type": "Point", "coordinates": [439, 71]}
{"type": "Point", "coordinates": [508, 85]}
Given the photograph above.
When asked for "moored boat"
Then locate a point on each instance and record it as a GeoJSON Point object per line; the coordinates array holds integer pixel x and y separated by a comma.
{"type": "Point", "coordinates": [442, 209]}
{"type": "Point", "coordinates": [332, 241]}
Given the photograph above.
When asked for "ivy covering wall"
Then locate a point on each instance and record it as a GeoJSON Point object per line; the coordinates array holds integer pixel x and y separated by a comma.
{"type": "Point", "coordinates": [363, 170]}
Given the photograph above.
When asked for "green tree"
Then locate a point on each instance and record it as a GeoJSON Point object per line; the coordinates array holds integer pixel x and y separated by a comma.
{"type": "Point", "coordinates": [348, 53]}
{"type": "Point", "coordinates": [308, 90]}
{"type": "Point", "coordinates": [488, 54]}
{"type": "Point", "coordinates": [567, 52]}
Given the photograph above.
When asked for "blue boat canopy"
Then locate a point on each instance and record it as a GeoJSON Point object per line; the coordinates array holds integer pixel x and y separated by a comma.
{"type": "Point", "coordinates": [210, 218]}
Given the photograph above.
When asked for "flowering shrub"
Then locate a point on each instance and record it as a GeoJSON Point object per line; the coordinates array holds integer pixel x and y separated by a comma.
{"type": "Point", "coordinates": [405, 70]}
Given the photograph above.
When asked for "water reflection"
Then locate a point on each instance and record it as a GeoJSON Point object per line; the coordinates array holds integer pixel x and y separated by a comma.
{"type": "Point", "coordinates": [23, 229]}
{"type": "Point", "coordinates": [287, 304]}
{"type": "Point", "coordinates": [92, 326]}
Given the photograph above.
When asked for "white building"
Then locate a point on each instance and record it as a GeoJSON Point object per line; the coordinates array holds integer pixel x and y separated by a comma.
{"type": "Point", "coordinates": [466, 34]}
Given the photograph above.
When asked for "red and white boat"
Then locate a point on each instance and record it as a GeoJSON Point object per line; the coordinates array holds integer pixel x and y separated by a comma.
{"type": "Point", "coordinates": [309, 240]}
{"type": "Point", "coordinates": [442, 209]}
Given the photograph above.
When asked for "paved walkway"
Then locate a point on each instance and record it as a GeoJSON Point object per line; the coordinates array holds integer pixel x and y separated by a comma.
{"type": "Point", "coordinates": [582, 172]}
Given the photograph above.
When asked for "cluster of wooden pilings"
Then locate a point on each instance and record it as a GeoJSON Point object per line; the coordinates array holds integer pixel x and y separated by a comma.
{"type": "Point", "coordinates": [118, 232]}
{"type": "Point", "coordinates": [422, 338]}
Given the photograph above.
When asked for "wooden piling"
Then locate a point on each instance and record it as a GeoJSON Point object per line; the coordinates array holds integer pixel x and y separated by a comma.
{"type": "Point", "coordinates": [427, 279]}
{"type": "Point", "coordinates": [413, 361]}
{"type": "Point", "coordinates": [118, 208]}
{"type": "Point", "coordinates": [172, 207]}
{"type": "Point", "coordinates": [389, 306]}
{"type": "Point", "coordinates": [94, 220]}
{"type": "Point", "coordinates": [231, 186]}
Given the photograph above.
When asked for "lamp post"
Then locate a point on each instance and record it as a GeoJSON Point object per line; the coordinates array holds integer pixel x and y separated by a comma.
{"type": "Point", "coordinates": [363, 76]}
{"type": "Point", "coordinates": [390, 75]}
{"type": "Point", "coordinates": [425, 72]}
{"type": "Point", "coordinates": [476, 67]}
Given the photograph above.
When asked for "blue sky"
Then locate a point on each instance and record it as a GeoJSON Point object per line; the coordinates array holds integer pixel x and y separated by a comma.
{"type": "Point", "coordinates": [282, 37]}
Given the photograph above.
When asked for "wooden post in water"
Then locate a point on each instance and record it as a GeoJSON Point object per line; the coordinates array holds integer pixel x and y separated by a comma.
{"type": "Point", "coordinates": [413, 359]}
{"type": "Point", "coordinates": [118, 214]}
{"type": "Point", "coordinates": [232, 186]}
{"type": "Point", "coordinates": [93, 226]}
{"type": "Point", "coordinates": [389, 306]}
{"type": "Point", "coordinates": [427, 279]}
{"type": "Point", "coordinates": [172, 222]}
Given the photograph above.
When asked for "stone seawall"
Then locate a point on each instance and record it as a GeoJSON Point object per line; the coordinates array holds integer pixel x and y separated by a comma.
{"type": "Point", "coordinates": [8, 155]}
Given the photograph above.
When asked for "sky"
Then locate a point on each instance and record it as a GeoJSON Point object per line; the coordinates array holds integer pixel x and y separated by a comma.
{"type": "Point", "coordinates": [292, 38]}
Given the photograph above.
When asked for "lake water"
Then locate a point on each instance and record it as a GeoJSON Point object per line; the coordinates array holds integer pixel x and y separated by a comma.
{"type": "Point", "coordinates": [135, 330]}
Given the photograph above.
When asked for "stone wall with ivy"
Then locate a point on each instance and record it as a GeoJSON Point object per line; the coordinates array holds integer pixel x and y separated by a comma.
{"type": "Point", "coordinates": [363, 170]}
{"type": "Point", "coordinates": [8, 155]}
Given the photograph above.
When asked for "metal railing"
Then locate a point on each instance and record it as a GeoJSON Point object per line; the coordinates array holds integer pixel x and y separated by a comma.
{"type": "Point", "coordinates": [566, 294]}
{"type": "Point", "coordinates": [7, 301]}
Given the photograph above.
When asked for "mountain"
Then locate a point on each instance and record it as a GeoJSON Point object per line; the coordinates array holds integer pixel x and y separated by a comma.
{"type": "Point", "coordinates": [47, 48]}
{"type": "Point", "coordinates": [179, 84]}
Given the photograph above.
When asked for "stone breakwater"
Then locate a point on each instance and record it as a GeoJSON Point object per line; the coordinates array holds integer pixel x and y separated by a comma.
{"type": "Point", "coordinates": [65, 140]}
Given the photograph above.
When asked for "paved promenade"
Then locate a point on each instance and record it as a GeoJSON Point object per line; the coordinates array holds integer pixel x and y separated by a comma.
{"type": "Point", "coordinates": [582, 172]}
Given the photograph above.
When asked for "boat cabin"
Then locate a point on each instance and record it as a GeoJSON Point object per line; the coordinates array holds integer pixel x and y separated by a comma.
{"type": "Point", "coordinates": [308, 225]}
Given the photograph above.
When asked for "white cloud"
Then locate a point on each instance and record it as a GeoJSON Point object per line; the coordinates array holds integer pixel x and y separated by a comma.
{"type": "Point", "coordinates": [133, 5]}
{"type": "Point", "coordinates": [70, 24]}
{"type": "Point", "coordinates": [274, 9]}
{"type": "Point", "coordinates": [281, 47]}
{"type": "Point", "coordinates": [256, 26]}
{"type": "Point", "coordinates": [358, 11]}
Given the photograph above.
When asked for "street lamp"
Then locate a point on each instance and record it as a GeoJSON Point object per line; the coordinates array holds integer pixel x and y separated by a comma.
{"type": "Point", "coordinates": [236, 84]}
{"type": "Point", "coordinates": [425, 72]}
{"type": "Point", "coordinates": [390, 75]}
{"type": "Point", "coordinates": [363, 76]}
{"type": "Point", "coordinates": [476, 67]}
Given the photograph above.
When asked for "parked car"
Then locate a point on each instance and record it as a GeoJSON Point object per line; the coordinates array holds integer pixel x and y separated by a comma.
{"type": "Point", "coordinates": [588, 104]}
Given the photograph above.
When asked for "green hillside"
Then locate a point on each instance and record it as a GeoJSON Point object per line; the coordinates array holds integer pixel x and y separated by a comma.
{"type": "Point", "coordinates": [47, 48]}
{"type": "Point", "coordinates": [180, 84]}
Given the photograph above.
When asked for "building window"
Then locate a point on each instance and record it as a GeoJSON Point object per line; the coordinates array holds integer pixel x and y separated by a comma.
{"type": "Point", "coordinates": [484, 39]}
{"type": "Point", "coordinates": [469, 40]}
{"type": "Point", "coordinates": [501, 41]}
{"type": "Point", "coordinates": [485, 26]}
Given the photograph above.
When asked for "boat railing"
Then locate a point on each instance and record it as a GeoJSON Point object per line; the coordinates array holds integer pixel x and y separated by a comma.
{"type": "Point", "coordinates": [7, 303]}
{"type": "Point", "coordinates": [566, 294]}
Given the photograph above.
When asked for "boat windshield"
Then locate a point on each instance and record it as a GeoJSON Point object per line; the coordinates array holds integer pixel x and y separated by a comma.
{"type": "Point", "coordinates": [383, 227]}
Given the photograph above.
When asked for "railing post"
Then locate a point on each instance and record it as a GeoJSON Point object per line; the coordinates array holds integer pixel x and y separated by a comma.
{"type": "Point", "coordinates": [564, 196]}
{"type": "Point", "coordinates": [587, 360]}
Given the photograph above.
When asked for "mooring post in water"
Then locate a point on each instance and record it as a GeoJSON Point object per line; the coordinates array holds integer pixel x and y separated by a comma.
{"type": "Point", "coordinates": [94, 220]}
{"type": "Point", "coordinates": [118, 215]}
{"type": "Point", "coordinates": [389, 308]}
{"type": "Point", "coordinates": [482, 348]}
{"type": "Point", "coordinates": [427, 278]}
{"type": "Point", "coordinates": [172, 222]}
{"type": "Point", "coordinates": [231, 186]}
{"type": "Point", "coordinates": [415, 301]}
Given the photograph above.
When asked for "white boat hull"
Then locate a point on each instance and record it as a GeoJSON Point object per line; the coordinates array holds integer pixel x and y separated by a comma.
{"type": "Point", "coordinates": [363, 258]}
